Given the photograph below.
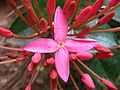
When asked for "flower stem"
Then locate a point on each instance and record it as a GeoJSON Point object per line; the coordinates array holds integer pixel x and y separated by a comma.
{"type": "Point", "coordinates": [11, 48]}
{"type": "Point", "coordinates": [117, 29]}
{"type": "Point", "coordinates": [78, 68]}
{"type": "Point", "coordinates": [74, 83]}
{"type": "Point", "coordinates": [59, 85]}
{"type": "Point", "coordinates": [87, 68]}
{"type": "Point", "coordinates": [8, 61]}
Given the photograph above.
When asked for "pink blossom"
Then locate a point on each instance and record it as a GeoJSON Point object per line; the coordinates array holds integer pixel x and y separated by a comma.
{"type": "Point", "coordinates": [60, 45]}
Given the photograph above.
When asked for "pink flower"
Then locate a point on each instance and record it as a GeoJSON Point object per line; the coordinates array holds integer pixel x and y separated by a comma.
{"type": "Point", "coordinates": [86, 79]}
{"type": "Point", "coordinates": [61, 46]}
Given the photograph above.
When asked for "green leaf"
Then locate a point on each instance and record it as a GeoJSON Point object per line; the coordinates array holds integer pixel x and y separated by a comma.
{"type": "Point", "coordinates": [18, 26]}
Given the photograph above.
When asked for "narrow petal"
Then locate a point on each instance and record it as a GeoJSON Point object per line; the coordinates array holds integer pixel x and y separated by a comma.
{"type": "Point", "coordinates": [60, 25]}
{"type": "Point", "coordinates": [41, 46]}
{"type": "Point", "coordinates": [62, 63]}
{"type": "Point", "coordinates": [81, 45]}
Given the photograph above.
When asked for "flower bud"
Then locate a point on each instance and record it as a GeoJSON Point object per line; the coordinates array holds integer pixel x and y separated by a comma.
{"type": "Point", "coordinates": [70, 9]}
{"type": "Point", "coordinates": [84, 56]}
{"type": "Point", "coordinates": [30, 67]}
{"type": "Point", "coordinates": [109, 84]}
{"type": "Point", "coordinates": [73, 57]}
{"type": "Point", "coordinates": [113, 3]}
{"type": "Point", "coordinates": [97, 5]}
{"type": "Point", "coordinates": [82, 16]}
{"type": "Point", "coordinates": [36, 58]}
{"type": "Point", "coordinates": [101, 48]}
{"type": "Point", "coordinates": [87, 80]}
{"type": "Point", "coordinates": [51, 5]}
{"type": "Point", "coordinates": [27, 4]}
{"type": "Point", "coordinates": [32, 16]}
{"type": "Point", "coordinates": [12, 3]}
{"type": "Point", "coordinates": [5, 32]}
{"type": "Point", "coordinates": [104, 55]}
{"type": "Point", "coordinates": [84, 32]}
{"type": "Point", "coordinates": [107, 18]}
{"type": "Point", "coordinates": [50, 61]}
{"type": "Point", "coordinates": [53, 74]}
{"type": "Point", "coordinates": [43, 25]}
{"type": "Point", "coordinates": [28, 87]}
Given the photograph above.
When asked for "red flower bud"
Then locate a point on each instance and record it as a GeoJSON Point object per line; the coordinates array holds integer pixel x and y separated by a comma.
{"type": "Point", "coordinates": [28, 87]}
{"type": "Point", "coordinates": [66, 3]}
{"type": "Point", "coordinates": [27, 4]}
{"type": "Point", "coordinates": [101, 48]}
{"type": "Point", "coordinates": [51, 5]}
{"type": "Point", "coordinates": [73, 57]}
{"type": "Point", "coordinates": [30, 67]}
{"type": "Point", "coordinates": [113, 2]}
{"type": "Point", "coordinates": [36, 58]}
{"type": "Point", "coordinates": [70, 9]}
{"type": "Point", "coordinates": [43, 25]}
{"type": "Point", "coordinates": [32, 16]}
{"type": "Point", "coordinates": [97, 5]}
{"type": "Point", "coordinates": [83, 16]}
{"type": "Point", "coordinates": [53, 74]}
{"type": "Point", "coordinates": [50, 61]}
{"type": "Point", "coordinates": [86, 79]}
{"type": "Point", "coordinates": [84, 56]}
{"type": "Point", "coordinates": [5, 32]}
{"type": "Point", "coordinates": [107, 18]}
{"type": "Point", "coordinates": [104, 55]}
{"type": "Point", "coordinates": [12, 3]}
{"type": "Point", "coordinates": [109, 84]}
{"type": "Point", "coordinates": [84, 32]}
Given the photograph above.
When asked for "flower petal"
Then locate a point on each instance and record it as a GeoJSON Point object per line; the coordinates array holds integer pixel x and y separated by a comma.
{"type": "Point", "coordinates": [62, 63]}
{"type": "Point", "coordinates": [81, 45]}
{"type": "Point", "coordinates": [41, 46]}
{"type": "Point", "coordinates": [60, 25]}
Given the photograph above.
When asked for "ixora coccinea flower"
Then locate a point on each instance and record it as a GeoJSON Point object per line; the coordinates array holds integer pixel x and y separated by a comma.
{"type": "Point", "coordinates": [60, 45]}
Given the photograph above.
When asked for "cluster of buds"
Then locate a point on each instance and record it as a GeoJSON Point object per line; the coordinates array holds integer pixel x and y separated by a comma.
{"type": "Point", "coordinates": [60, 53]}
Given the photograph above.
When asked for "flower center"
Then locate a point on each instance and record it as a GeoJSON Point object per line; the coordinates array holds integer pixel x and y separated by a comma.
{"type": "Point", "coordinates": [61, 45]}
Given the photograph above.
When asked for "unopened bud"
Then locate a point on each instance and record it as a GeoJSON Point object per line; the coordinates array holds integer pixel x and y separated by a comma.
{"type": "Point", "coordinates": [12, 3]}
{"type": "Point", "coordinates": [82, 16]}
{"type": "Point", "coordinates": [28, 87]}
{"type": "Point", "coordinates": [107, 18]}
{"type": "Point", "coordinates": [97, 5]}
{"type": "Point", "coordinates": [113, 2]}
{"type": "Point", "coordinates": [70, 9]}
{"type": "Point", "coordinates": [36, 58]}
{"type": "Point", "coordinates": [51, 5]}
{"type": "Point", "coordinates": [53, 74]}
{"type": "Point", "coordinates": [5, 32]}
{"type": "Point", "coordinates": [84, 56]}
{"type": "Point", "coordinates": [87, 80]}
{"type": "Point", "coordinates": [104, 55]}
{"type": "Point", "coordinates": [109, 84]}
{"type": "Point", "coordinates": [101, 48]}
{"type": "Point", "coordinates": [84, 33]}
{"type": "Point", "coordinates": [43, 25]}
{"type": "Point", "coordinates": [32, 16]}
